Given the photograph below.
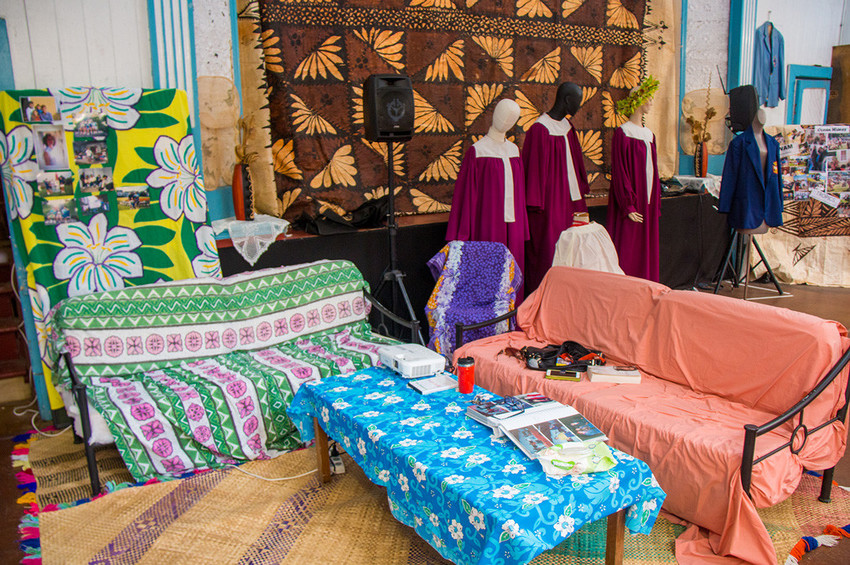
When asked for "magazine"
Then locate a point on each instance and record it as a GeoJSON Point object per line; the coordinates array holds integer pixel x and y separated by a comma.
{"type": "Point", "coordinates": [493, 412]}
{"type": "Point", "coordinates": [556, 426]}
{"type": "Point", "coordinates": [440, 381]}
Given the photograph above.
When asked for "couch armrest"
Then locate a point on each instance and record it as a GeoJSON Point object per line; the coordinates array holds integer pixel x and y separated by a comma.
{"type": "Point", "coordinates": [751, 431]}
{"type": "Point", "coordinates": [460, 329]}
{"type": "Point", "coordinates": [386, 314]}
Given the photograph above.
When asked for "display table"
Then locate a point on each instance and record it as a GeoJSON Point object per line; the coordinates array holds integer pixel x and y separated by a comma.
{"type": "Point", "coordinates": [476, 499]}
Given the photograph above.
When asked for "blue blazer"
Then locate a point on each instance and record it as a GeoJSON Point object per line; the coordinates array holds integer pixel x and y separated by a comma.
{"type": "Point", "coordinates": [747, 193]}
{"type": "Point", "coordinates": [769, 65]}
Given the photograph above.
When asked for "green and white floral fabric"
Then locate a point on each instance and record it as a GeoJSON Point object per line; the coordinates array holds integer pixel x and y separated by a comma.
{"type": "Point", "coordinates": [194, 374]}
{"type": "Point", "coordinates": [104, 192]}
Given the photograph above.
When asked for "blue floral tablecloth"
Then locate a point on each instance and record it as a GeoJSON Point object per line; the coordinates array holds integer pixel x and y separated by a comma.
{"type": "Point", "coordinates": [473, 497]}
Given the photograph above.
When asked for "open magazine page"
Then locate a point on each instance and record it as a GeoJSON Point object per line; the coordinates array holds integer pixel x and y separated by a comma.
{"type": "Point", "coordinates": [556, 426]}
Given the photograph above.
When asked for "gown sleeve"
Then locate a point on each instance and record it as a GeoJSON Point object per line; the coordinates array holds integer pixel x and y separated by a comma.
{"type": "Point", "coordinates": [463, 213]}
{"type": "Point", "coordinates": [534, 152]}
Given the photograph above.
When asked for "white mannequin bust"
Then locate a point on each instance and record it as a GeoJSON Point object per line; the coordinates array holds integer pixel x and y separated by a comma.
{"type": "Point", "coordinates": [505, 116]}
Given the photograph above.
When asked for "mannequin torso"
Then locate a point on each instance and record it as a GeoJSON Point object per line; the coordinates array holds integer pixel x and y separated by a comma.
{"type": "Point", "coordinates": [758, 132]}
{"type": "Point", "coordinates": [489, 197]}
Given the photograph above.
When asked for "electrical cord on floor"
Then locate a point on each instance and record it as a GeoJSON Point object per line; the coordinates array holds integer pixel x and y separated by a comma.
{"type": "Point", "coordinates": [25, 409]}
{"type": "Point", "coordinates": [241, 470]}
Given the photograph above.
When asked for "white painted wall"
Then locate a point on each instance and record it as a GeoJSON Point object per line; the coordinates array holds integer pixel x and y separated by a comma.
{"type": "Point", "coordinates": [810, 30]}
{"type": "Point", "coordinates": [213, 43]}
{"type": "Point", "coordinates": [78, 42]}
{"type": "Point", "coordinates": [707, 41]}
{"type": "Point", "coordinates": [844, 39]}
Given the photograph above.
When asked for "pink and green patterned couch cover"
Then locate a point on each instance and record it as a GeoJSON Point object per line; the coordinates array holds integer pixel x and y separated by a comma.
{"type": "Point", "coordinates": [198, 373]}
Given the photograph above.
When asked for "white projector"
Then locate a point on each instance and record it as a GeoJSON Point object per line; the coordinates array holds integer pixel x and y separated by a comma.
{"type": "Point", "coordinates": [411, 361]}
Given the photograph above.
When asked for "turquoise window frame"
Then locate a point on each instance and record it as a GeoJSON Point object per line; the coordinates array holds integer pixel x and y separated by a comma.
{"type": "Point", "coordinates": [686, 162]}
{"type": "Point", "coordinates": [801, 77]}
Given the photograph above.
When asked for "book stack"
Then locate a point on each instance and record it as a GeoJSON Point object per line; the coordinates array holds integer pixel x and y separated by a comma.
{"type": "Point", "coordinates": [492, 413]}
{"type": "Point", "coordinates": [613, 374]}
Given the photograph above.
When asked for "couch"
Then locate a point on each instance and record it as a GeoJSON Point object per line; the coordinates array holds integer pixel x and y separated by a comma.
{"type": "Point", "coordinates": [198, 373]}
{"type": "Point", "coordinates": [725, 383]}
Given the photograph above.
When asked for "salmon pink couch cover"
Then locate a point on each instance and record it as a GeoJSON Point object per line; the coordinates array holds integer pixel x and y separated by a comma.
{"type": "Point", "coordinates": [710, 365]}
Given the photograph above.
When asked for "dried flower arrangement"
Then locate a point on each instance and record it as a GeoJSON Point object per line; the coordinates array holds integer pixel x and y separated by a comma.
{"type": "Point", "coordinates": [699, 130]}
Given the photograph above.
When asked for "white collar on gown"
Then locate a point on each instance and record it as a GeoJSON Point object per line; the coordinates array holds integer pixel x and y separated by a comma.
{"type": "Point", "coordinates": [489, 147]}
{"type": "Point", "coordinates": [555, 127]}
{"type": "Point", "coordinates": [638, 132]}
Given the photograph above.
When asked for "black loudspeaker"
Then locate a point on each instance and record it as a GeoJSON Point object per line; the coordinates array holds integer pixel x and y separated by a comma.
{"type": "Point", "coordinates": [743, 105]}
{"type": "Point", "coordinates": [388, 108]}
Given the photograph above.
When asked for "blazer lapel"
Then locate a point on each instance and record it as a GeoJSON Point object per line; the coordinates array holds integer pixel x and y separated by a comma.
{"type": "Point", "coordinates": [752, 150]}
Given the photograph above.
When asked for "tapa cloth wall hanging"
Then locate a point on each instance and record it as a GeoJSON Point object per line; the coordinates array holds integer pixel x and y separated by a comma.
{"type": "Point", "coordinates": [462, 58]}
{"type": "Point", "coordinates": [104, 191]}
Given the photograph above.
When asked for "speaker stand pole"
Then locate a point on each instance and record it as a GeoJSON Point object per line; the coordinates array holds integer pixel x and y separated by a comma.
{"type": "Point", "coordinates": [392, 274]}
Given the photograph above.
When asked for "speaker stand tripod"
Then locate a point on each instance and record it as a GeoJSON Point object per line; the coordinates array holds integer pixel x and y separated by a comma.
{"type": "Point", "coordinates": [392, 274]}
{"type": "Point", "coordinates": [736, 242]}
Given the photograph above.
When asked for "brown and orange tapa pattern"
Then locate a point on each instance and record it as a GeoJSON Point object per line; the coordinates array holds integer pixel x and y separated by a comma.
{"type": "Point", "coordinates": [462, 56]}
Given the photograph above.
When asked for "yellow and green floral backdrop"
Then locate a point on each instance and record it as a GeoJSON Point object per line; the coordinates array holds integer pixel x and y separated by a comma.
{"type": "Point", "coordinates": [104, 191]}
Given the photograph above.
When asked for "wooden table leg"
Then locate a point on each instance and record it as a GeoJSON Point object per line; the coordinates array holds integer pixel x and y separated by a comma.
{"type": "Point", "coordinates": [616, 534]}
{"type": "Point", "coordinates": [323, 457]}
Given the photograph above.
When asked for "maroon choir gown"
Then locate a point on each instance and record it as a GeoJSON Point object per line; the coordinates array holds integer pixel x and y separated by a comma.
{"type": "Point", "coordinates": [484, 206]}
{"type": "Point", "coordinates": [551, 196]}
{"type": "Point", "coordinates": [635, 188]}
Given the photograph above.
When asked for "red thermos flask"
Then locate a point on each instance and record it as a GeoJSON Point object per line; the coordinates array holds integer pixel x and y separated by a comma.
{"type": "Point", "coordinates": [465, 374]}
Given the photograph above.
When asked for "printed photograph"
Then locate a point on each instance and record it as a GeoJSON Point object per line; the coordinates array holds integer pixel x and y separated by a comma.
{"type": "Point", "coordinates": [97, 179]}
{"type": "Point", "coordinates": [59, 211]}
{"type": "Point", "coordinates": [90, 126]}
{"type": "Point", "coordinates": [818, 157]}
{"type": "Point", "coordinates": [581, 427]}
{"type": "Point", "coordinates": [801, 195]}
{"type": "Point", "coordinates": [530, 438]}
{"type": "Point", "coordinates": [817, 181]}
{"type": "Point", "coordinates": [838, 181]}
{"type": "Point", "coordinates": [90, 151]}
{"type": "Point", "coordinates": [92, 204]}
{"type": "Point", "coordinates": [39, 109]}
{"type": "Point", "coordinates": [51, 151]}
{"type": "Point", "coordinates": [838, 141]}
{"type": "Point", "coordinates": [131, 198]}
{"type": "Point", "coordinates": [557, 432]}
{"type": "Point", "coordinates": [844, 205]}
{"type": "Point", "coordinates": [55, 183]}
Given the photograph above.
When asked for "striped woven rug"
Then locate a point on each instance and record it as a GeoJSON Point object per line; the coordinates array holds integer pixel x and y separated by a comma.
{"type": "Point", "coordinates": [227, 516]}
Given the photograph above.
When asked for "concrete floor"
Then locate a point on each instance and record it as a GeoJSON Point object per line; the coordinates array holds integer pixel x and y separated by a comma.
{"type": "Point", "coordinates": [830, 303]}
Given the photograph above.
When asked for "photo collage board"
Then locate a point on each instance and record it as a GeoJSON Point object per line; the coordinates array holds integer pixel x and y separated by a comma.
{"type": "Point", "coordinates": [69, 197]}
{"type": "Point", "coordinates": [104, 191]}
{"type": "Point", "coordinates": [816, 165]}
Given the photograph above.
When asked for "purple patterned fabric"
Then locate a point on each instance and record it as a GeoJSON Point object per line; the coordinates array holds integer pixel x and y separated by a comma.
{"type": "Point", "coordinates": [476, 281]}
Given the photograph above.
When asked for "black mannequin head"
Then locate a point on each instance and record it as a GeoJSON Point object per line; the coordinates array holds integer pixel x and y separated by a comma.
{"type": "Point", "coordinates": [567, 101]}
{"type": "Point", "coordinates": [743, 105]}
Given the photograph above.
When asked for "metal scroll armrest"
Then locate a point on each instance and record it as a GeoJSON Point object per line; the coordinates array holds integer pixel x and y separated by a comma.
{"type": "Point", "coordinates": [460, 329]}
{"type": "Point", "coordinates": [80, 396]}
{"type": "Point", "coordinates": [751, 431]}
{"type": "Point", "coordinates": [386, 314]}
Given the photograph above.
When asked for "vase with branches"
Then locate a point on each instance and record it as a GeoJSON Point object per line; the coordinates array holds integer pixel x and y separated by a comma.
{"type": "Point", "coordinates": [700, 134]}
